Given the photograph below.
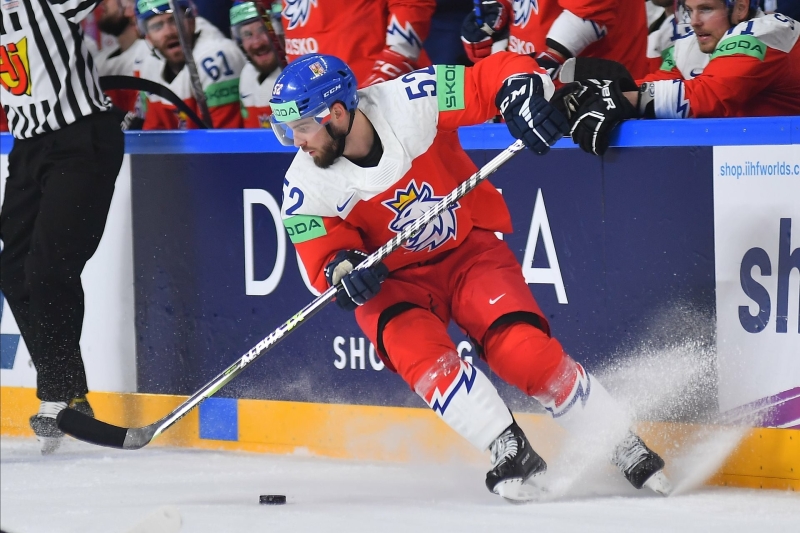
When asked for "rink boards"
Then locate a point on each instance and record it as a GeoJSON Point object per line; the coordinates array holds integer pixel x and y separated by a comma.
{"type": "Point", "coordinates": [682, 231]}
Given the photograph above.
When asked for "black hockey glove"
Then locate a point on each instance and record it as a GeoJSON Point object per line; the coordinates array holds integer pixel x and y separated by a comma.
{"type": "Point", "coordinates": [594, 108]}
{"type": "Point", "coordinates": [357, 286]}
{"type": "Point", "coordinates": [528, 115]}
{"type": "Point", "coordinates": [593, 68]}
{"type": "Point", "coordinates": [478, 38]}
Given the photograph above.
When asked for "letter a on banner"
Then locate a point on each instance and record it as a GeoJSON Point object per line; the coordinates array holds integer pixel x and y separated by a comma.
{"type": "Point", "coordinates": [550, 275]}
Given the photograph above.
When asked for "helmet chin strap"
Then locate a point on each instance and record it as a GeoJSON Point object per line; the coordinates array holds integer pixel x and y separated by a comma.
{"type": "Point", "coordinates": [329, 129]}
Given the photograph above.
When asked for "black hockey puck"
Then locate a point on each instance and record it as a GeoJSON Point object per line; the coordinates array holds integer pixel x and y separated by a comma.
{"type": "Point", "coordinates": [272, 499]}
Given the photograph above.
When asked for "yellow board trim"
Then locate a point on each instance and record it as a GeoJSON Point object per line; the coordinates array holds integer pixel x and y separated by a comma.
{"type": "Point", "coordinates": [765, 458]}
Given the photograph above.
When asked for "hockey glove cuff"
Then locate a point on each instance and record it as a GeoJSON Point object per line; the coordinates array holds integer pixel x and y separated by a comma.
{"type": "Point", "coordinates": [478, 38]}
{"type": "Point", "coordinates": [595, 68]}
{"type": "Point", "coordinates": [389, 66]}
{"type": "Point", "coordinates": [357, 286]}
{"type": "Point", "coordinates": [550, 61]}
{"type": "Point", "coordinates": [528, 115]}
{"type": "Point", "coordinates": [646, 103]}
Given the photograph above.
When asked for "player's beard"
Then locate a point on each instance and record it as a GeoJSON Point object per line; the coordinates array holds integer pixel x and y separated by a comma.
{"type": "Point", "coordinates": [267, 62]}
{"type": "Point", "coordinates": [330, 152]}
{"type": "Point", "coordinates": [113, 26]}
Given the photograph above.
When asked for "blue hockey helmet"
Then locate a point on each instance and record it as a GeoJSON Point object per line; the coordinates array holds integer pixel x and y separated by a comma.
{"type": "Point", "coordinates": [305, 92]}
{"type": "Point", "coordinates": [147, 9]}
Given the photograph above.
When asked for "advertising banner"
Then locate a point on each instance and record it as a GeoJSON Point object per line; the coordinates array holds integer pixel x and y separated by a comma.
{"type": "Point", "coordinates": [757, 249]}
{"type": "Point", "coordinates": [605, 247]}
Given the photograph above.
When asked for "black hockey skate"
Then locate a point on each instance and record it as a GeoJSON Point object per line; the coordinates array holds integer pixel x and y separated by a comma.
{"type": "Point", "coordinates": [640, 465]}
{"type": "Point", "coordinates": [514, 463]}
{"type": "Point", "coordinates": [44, 425]}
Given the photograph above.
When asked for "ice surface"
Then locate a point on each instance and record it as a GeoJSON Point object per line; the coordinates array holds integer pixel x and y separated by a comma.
{"type": "Point", "coordinates": [87, 489]}
{"type": "Point", "coordinates": [670, 374]}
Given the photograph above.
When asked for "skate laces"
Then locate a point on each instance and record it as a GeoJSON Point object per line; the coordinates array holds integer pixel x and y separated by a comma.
{"type": "Point", "coordinates": [51, 409]}
{"type": "Point", "coordinates": [504, 447]}
{"type": "Point", "coordinates": [630, 452]}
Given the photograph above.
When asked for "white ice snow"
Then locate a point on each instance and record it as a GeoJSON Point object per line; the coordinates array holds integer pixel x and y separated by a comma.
{"type": "Point", "coordinates": [87, 489]}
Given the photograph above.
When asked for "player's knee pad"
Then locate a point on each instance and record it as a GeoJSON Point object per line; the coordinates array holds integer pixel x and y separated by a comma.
{"type": "Point", "coordinates": [465, 399]}
{"type": "Point", "coordinates": [523, 355]}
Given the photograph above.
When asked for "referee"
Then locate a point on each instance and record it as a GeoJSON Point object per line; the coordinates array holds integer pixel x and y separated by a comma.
{"type": "Point", "coordinates": [67, 153]}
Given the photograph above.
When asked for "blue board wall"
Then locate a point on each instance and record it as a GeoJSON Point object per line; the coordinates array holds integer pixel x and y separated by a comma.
{"type": "Point", "coordinates": [629, 243]}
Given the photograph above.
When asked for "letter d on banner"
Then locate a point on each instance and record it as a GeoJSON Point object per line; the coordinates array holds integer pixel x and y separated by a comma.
{"type": "Point", "coordinates": [255, 287]}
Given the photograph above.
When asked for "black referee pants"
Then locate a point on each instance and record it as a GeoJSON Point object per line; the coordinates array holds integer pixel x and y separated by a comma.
{"type": "Point", "coordinates": [57, 197]}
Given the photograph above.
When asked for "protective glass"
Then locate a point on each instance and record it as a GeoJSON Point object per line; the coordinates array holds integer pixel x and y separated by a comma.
{"type": "Point", "coordinates": [248, 32]}
{"type": "Point", "coordinates": [157, 26]}
{"type": "Point", "coordinates": [288, 124]}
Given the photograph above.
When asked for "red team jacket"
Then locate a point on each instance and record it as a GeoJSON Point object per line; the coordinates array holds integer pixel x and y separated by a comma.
{"type": "Point", "coordinates": [356, 31]}
{"type": "Point", "coordinates": [754, 71]}
{"type": "Point", "coordinates": [621, 23]}
{"type": "Point", "coordinates": [416, 117]}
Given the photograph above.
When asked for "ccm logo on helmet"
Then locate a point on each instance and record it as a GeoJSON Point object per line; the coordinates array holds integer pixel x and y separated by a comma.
{"type": "Point", "coordinates": [331, 91]}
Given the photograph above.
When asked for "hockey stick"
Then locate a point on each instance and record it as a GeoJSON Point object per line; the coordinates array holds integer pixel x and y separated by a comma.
{"type": "Point", "coordinates": [476, 8]}
{"type": "Point", "coordinates": [94, 431]}
{"type": "Point", "coordinates": [148, 86]}
{"type": "Point", "coordinates": [186, 45]}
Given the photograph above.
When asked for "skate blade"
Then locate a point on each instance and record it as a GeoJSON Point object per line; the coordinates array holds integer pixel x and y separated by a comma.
{"type": "Point", "coordinates": [517, 491]}
{"type": "Point", "coordinates": [659, 483]}
{"type": "Point", "coordinates": [49, 444]}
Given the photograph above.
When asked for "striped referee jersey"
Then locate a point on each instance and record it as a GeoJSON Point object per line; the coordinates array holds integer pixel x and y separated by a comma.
{"type": "Point", "coordinates": [48, 78]}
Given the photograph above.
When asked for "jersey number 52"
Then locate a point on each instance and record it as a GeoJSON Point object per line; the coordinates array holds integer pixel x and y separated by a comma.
{"type": "Point", "coordinates": [422, 88]}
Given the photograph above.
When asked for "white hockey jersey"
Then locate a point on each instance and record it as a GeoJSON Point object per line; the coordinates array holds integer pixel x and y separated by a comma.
{"type": "Point", "coordinates": [254, 94]}
{"type": "Point", "coordinates": [219, 63]}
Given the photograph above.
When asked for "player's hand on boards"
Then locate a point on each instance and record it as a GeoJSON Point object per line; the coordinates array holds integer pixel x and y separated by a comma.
{"type": "Point", "coordinates": [478, 38]}
{"type": "Point", "coordinates": [594, 108]}
{"type": "Point", "coordinates": [357, 286]}
{"type": "Point", "coordinates": [528, 115]}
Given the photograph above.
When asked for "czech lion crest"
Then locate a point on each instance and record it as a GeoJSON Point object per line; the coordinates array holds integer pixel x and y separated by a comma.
{"type": "Point", "coordinates": [522, 11]}
{"type": "Point", "coordinates": [298, 11]}
{"type": "Point", "coordinates": [409, 204]}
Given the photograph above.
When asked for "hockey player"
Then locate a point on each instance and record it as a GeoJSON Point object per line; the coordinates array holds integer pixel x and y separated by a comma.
{"type": "Point", "coordinates": [118, 19]}
{"type": "Point", "coordinates": [555, 30]}
{"type": "Point", "coordinates": [372, 162]}
{"type": "Point", "coordinates": [219, 62]}
{"type": "Point", "coordinates": [379, 39]}
{"type": "Point", "coordinates": [673, 50]}
{"type": "Point", "coordinates": [249, 27]}
{"type": "Point", "coordinates": [751, 73]}
{"type": "Point", "coordinates": [663, 32]}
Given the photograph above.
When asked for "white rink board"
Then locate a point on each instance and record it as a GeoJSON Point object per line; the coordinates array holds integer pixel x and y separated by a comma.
{"type": "Point", "coordinates": [108, 341]}
{"type": "Point", "coordinates": [754, 188]}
